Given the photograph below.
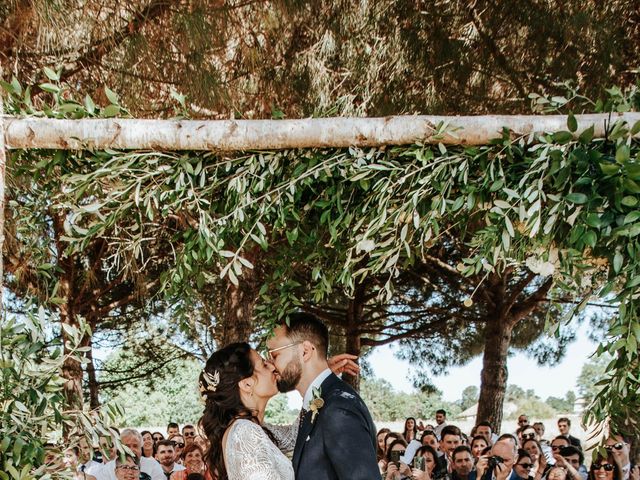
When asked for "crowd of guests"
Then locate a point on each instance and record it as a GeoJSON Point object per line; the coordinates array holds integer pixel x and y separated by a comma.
{"type": "Point", "coordinates": [176, 455]}
{"type": "Point", "coordinates": [444, 452]}
{"type": "Point", "coordinates": [421, 452]}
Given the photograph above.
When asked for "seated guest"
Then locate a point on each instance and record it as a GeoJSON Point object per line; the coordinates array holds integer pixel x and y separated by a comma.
{"type": "Point", "coordinates": [173, 429]}
{"type": "Point", "coordinates": [157, 436]}
{"type": "Point", "coordinates": [540, 463]}
{"type": "Point", "coordinates": [410, 429]}
{"type": "Point", "coordinates": [524, 466]}
{"type": "Point", "coordinates": [528, 433]}
{"type": "Point", "coordinates": [193, 461]}
{"type": "Point", "coordinates": [189, 434]}
{"type": "Point", "coordinates": [571, 459]}
{"type": "Point", "coordinates": [396, 470]}
{"type": "Point", "coordinates": [605, 468]}
{"type": "Point", "coordinates": [428, 472]}
{"type": "Point", "coordinates": [564, 425]}
{"type": "Point", "coordinates": [557, 473]}
{"type": "Point", "coordinates": [557, 444]}
{"type": "Point", "coordinates": [462, 463]}
{"type": "Point", "coordinates": [127, 468]}
{"type": "Point", "coordinates": [478, 444]}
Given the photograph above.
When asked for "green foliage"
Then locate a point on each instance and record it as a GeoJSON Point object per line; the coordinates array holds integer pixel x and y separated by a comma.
{"type": "Point", "coordinates": [278, 411]}
{"type": "Point", "coordinates": [33, 411]}
{"type": "Point", "coordinates": [167, 395]}
{"type": "Point", "coordinates": [551, 203]}
{"type": "Point", "coordinates": [562, 405]}
{"type": "Point", "coordinates": [386, 404]}
{"type": "Point", "coordinates": [470, 396]}
{"type": "Point", "coordinates": [591, 376]}
{"type": "Point", "coordinates": [527, 401]}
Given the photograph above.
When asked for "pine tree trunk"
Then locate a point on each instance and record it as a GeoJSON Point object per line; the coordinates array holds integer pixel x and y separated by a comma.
{"type": "Point", "coordinates": [94, 386]}
{"type": "Point", "coordinates": [352, 331]}
{"type": "Point", "coordinates": [493, 378]}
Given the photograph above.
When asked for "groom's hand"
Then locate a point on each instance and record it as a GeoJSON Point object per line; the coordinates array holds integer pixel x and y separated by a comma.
{"type": "Point", "coordinates": [344, 363]}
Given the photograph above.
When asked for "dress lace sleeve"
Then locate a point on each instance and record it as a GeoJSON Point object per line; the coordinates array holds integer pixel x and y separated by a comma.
{"type": "Point", "coordinates": [248, 456]}
{"type": "Point", "coordinates": [285, 435]}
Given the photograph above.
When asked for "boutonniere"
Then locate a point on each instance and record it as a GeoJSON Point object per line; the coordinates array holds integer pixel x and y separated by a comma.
{"type": "Point", "coordinates": [316, 403]}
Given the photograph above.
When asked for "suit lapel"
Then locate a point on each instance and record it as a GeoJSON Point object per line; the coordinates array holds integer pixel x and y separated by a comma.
{"type": "Point", "coordinates": [307, 427]}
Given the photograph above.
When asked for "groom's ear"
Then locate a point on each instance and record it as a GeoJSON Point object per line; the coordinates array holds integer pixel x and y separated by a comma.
{"type": "Point", "coordinates": [308, 350]}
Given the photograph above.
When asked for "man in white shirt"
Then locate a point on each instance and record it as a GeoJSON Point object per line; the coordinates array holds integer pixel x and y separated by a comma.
{"type": "Point", "coordinates": [166, 455]}
{"type": "Point", "coordinates": [441, 420]}
{"type": "Point", "coordinates": [133, 440]}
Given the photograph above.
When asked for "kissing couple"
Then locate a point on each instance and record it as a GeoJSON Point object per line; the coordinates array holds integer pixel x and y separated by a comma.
{"type": "Point", "coordinates": [334, 437]}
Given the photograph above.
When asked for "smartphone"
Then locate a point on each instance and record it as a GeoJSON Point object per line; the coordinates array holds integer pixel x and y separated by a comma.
{"type": "Point", "coordinates": [418, 462]}
{"type": "Point", "coordinates": [395, 457]}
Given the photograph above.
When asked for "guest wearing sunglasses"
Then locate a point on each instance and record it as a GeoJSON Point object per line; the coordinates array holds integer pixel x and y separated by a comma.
{"type": "Point", "coordinates": [178, 443]}
{"type": "Point", "coordinates": [524, 466]}
{"type": "Point", "coordinates": [618, 447]}
{"type": "Point", "coordinates": [557, 444]}
{"type": "Point", "coordinates": [530, 433]}
{"type": "Point", "coordinates": [605, 468]}
{"type": "Point", "coordinates": [396, 470]}
{"type": "Point", "coordinates": [189, 434]}
{"type": "Point", "coordinates": [157, 437]}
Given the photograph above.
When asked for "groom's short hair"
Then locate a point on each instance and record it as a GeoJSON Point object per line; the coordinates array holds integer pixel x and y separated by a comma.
{"type": "Point", "coordinates": [305, 326]}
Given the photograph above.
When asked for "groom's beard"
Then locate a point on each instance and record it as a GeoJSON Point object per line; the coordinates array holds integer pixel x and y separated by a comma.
{"type": "Point", "coordinates": [290, 377]}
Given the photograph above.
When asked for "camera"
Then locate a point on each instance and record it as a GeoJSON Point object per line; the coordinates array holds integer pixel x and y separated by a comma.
{"type": "Point", "coordinates": [418, 462]}
{"type": "Point", "coordinates": [494, 461]}
{"type": "Point", "coordinates": [395, 457]}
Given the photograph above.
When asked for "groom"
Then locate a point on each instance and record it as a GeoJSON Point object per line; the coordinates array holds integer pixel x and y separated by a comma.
{"type": "Point", "coordinates": [336, 439]}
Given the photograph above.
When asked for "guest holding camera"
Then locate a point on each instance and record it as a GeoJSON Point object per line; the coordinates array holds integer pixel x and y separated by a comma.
{"type": "Point", "coordinates": [397, 470]}
{"type": "Point", "coordinates": [499, 464]}
{"type": "Point", "coordinates": [424, 463]}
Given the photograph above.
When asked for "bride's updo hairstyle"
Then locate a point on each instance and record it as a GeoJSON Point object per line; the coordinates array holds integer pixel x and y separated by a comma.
{"type": "Point", "coordinates": [221, 394]}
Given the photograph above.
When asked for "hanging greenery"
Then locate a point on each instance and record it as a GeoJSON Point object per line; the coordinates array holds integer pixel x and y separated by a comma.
{"type": "Point", "coordinates": [562, 205]}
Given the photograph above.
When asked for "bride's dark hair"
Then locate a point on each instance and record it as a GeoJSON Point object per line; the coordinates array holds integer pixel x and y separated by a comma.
{"type": "Point", "coordinates": [219, 388]}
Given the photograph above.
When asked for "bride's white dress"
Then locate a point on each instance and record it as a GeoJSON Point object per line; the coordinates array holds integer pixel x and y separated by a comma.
{"type": "Point", "coordinates": [251, 455]}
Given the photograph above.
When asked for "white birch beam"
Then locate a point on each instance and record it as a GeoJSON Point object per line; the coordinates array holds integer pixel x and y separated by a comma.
{"type": "Point", "coordinates": [233, 135]}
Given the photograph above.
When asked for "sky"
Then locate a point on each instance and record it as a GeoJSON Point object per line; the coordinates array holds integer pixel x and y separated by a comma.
{"type": "Point", "coordinates": [523, 371]}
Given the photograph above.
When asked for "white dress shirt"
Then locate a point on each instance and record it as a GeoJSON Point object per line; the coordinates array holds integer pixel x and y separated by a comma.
{"type": "Point", "coordinates": [308, 396]}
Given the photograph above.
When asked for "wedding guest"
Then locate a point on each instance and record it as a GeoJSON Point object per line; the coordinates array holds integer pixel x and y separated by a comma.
{"type": "Point", "coordinates": [605, 468]}
{"type": "Point", "coordinates": [70, 459]}
{"type": "Point", "coordinates": [564, 425]}
{"type": "Point", "coordinates": [441, 420]}
{"type": "Point", "coordinates": [380, 436]}
{"type": "Point", "coordinates": [178, 443]}
{"type": "Point", "coordinates": [166, 456]}
{"type": "Point", "coordinates": [571, 459]}
{"type": "Point", "coordinates": [524, 466]}
{"type": "Point", "coordinates": [189, 434]}
{"type": "Point", "coordinates": [430, 459]}
{"type": "Point", "coordinates": [173, 429]}
{"type": "Point", "coordinates": [396, 470]}
{"type": "Point", "coordinates": [147, 444]}
{"type": "Point", "coordinates": [410, 429]}
{"type": "Point", "coordinates": [539, 426]}
{"type": "Point", "coordinates": [193, 461]}
{"type": "Point", "coordinates": [431, 439]}
{"type": "Point", "coordinates": [539, 460]}
{"type": "Point", "coordinates": [478, 444]}
{"type": "Point", "coordinates": [462, 463]}
{"type": "Point", "coordinates": [619, 447]}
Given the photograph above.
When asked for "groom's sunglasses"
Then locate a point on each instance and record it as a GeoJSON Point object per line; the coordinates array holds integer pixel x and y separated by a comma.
{"type": "Point", "coordinates": [269, 353]}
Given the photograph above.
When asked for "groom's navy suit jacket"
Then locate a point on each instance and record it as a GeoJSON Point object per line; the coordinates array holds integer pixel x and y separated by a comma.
{"type": "Point", "coordinates": [341, 441]}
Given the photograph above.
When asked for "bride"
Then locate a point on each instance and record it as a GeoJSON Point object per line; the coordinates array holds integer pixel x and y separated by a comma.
{"type": "Point", "coordinates": [236, 385]}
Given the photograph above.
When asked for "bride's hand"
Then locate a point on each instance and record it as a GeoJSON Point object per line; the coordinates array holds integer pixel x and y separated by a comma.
{"type": "Point", "coordinates": [344, 363]}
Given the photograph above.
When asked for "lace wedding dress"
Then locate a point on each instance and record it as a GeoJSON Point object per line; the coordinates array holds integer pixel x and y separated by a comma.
{"type": "Point", "coordinates": [251, 455]}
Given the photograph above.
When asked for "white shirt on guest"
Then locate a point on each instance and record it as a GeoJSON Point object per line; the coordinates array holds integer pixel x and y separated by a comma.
{"type": "Point", "coordinates": [308, 396]}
